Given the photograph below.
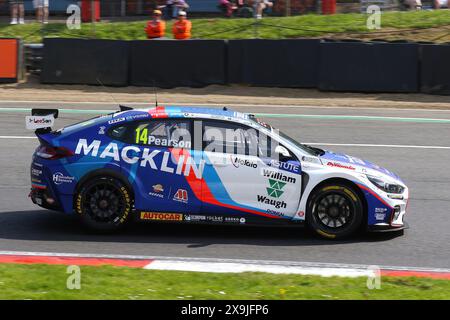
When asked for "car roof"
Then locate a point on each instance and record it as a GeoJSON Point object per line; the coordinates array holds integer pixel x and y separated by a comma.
{"type": "Point", "coordinates": [192, 112]}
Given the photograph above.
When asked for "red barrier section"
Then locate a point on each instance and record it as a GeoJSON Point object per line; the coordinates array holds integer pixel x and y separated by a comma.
{"type": "Point", "coordinates": [8, 60]}
{"type": "Point", "coordinates": [79, 261]}
{"type": "Point", "coordinates": [87, 6]}
{"type": "Point", "coordinates": [328, 6]}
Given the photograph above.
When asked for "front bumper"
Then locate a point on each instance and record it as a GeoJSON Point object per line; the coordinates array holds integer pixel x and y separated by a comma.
{"type": "Point", "coordinates": [384, 227]}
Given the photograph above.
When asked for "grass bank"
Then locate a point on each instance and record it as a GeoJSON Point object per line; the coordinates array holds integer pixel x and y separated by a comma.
{"type": "Point", "coordinates": [395, 25]}
{"type": "Point", "coordinates": [106, 282]}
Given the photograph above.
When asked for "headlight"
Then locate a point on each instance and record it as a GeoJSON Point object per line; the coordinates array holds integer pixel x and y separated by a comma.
{"type": "Point", "coordinates": [386, 186]}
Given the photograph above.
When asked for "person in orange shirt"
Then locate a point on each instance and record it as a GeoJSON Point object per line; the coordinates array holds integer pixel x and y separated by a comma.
{"type": "Point", "coordinates": [182, 27]}
{"type": "Point", "coordinates": [155, 27]}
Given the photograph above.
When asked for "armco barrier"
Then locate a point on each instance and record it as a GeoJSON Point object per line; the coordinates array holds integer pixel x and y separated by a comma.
{"type": "Point", "coordinates": [274, 63]}
{"type": "Point", "coordinates": [79, 61]}
{"type": "Point", "coordinates": [10, 60]}
{"type": "Point", "coordinates": [435, 69]}
{"type": "Point", "coordinates": [369, 67]}
{"type": "Point", "coordinates": [170, 63]}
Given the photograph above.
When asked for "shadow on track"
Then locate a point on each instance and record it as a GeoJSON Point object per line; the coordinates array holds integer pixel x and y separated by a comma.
{"type": "Point", "coordinates": [43, 225]}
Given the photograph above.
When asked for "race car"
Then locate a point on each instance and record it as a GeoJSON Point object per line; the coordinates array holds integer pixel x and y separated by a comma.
{"type": "Point", "coordinates": [205, 165]}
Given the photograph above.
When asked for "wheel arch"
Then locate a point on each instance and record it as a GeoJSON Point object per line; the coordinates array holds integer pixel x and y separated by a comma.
{"type": "Point", "coordinates": [345, 181]}
{"type": "Point", "coordinates": [103, 173]}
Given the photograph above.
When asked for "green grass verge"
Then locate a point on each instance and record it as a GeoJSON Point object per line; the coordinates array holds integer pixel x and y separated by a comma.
{"type": "Point", "coordinates": [311, 25]}
{"type": "Point", "coordinates": [106, 282]}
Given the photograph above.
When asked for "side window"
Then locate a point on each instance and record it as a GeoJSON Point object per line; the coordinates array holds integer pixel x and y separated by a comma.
{"type": "Point", "coordinates": [167, 133]}
{"type": "Point", "coordinates": [226, 137]}
{"type": "Point", "coordinates": [160, 133]}
{"type": "Point", "coordinates": [223, 137]}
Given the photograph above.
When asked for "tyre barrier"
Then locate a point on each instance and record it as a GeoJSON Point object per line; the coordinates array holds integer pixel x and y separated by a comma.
{"type": "Point", "coordinates": [354, 66]}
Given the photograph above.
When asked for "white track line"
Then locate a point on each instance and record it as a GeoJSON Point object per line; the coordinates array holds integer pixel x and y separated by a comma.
{"type": "Point", "coordinates": [17, 137]}
{"type": "Point", "coordinates": [221, 105]}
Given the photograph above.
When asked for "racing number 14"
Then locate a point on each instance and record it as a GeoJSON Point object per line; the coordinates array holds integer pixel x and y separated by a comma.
{"type": "Point", "coordinates": [141, 137]}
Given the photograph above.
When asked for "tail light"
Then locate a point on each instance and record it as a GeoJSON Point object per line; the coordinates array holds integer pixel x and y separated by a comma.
{"type": "Point", "coordinates": [53, 153]}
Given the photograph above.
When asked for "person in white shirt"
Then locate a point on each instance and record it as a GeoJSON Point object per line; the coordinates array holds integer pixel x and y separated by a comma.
{"type": "Point", "coordinates": [41, 7]}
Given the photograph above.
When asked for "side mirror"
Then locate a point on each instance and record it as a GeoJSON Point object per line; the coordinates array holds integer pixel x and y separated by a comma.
{"type": "Point", "coordinates": [283, 151]}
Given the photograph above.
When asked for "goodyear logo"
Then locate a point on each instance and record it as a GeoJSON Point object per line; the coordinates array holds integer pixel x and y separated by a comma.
{"type": "Point", "coordinates": [161, 216]}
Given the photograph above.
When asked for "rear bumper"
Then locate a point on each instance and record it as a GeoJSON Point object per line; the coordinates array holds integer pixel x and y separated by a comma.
{"type": "Point", "coordinates": [42, 196]}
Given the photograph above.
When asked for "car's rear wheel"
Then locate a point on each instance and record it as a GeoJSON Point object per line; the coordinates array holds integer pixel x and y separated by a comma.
{"type": "Point", "coordinates": [104, 204]}
{"type": "Point", "coordinates": [335, 211]}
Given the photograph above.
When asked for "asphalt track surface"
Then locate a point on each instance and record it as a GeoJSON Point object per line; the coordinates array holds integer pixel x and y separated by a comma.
{"type": "Point", "coordinates": [420, 161]}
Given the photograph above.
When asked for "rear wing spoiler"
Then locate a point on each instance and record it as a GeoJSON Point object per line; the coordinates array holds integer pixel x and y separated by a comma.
{"type": "Point", "coordinates": [41, 120]}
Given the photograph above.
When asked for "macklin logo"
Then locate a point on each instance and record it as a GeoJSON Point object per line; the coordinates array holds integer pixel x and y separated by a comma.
{"type": "Point", "coordinates": [181, 195]}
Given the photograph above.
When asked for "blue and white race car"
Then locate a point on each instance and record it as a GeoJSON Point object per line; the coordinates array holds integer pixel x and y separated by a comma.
{"type": "Point", "coordinates": [200, 165]}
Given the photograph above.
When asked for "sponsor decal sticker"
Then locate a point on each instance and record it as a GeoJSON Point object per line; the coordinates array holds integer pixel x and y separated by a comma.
{"type": "Point", "coordinates": [161, 216]}
{"type": "Point", "coordinates": [286, 166]}
{"type": "Point", "coordinates": [36, 172]}
{"type": "Point", "coordinates": [276, 188]}
{"type": "Point", "coordinates": [268, 173]}
{"type": "Point", "coordinates": [113, 121]}
{"type": "Point", "coordinates": [272, 202]}
{"type": "Point", "coordinates": [237, 162]}
{"type": "Point", "coordinates": [194, 217]}
{"type": "Point", "coordinates": [144, 156]}
{"type": "Point", "coordinates": [59, 178]}
{"type": "Point", "coordinates": [39, 122]}
{"type": "Point", "coordinates": [214, 218]}
{"type": "Point", "coordinates": [181, 196]}
{"type": "Point", "coordinates": [101, 130]}
{"type": "Point", "coordinates": [158, 190]}
{"type": "Point", "coordinates": [340, 165]}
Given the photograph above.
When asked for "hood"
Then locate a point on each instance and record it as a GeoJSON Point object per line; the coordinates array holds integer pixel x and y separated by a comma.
{"type": "Point", "coordinates": [340, 160]}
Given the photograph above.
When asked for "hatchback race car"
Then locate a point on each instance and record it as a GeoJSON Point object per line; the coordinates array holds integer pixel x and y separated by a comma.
{"type": "Point", "coordinates": [201, 165]}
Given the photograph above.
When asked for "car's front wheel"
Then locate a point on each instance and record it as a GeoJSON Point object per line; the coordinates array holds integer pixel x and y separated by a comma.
{"type": "Point", "coordinates": [104, 204]}
{"type": "Point", "coordinates": [335, 211]}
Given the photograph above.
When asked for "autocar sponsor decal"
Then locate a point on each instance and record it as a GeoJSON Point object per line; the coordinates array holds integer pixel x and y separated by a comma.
{"type": "Point", "coordinates": [161, 216]}
{"type": "Point", "coordinates": [145, 157]}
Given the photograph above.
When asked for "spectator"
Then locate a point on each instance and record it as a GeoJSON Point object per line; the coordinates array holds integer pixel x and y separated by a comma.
{"type": "Point", "coordinates": [414, 4]}
{"type": "Point", "coordinates": [441, 4]}
{"type": "Point", "coordinates": [179, 5]}
{"type": "Point", "coordinates": [156, 27]}
{"type": "Point", "coordinates": [41, 7]}
{"type": "Point", "coordinates": [182, 27]}
{"type": "Point", "coordinates": [17, 12]}
{"type": "Point", "coordinates": [227, 7]}
{"type": "Point", "coordinates": [260, 6]}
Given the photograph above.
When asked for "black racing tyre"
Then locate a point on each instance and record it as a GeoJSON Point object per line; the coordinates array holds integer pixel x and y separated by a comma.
{"type": "Point", "coordinates": [104, 204]}
{"type": "Point", "coordinates": [335, 211]}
